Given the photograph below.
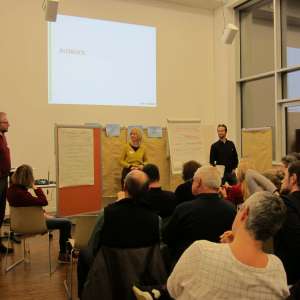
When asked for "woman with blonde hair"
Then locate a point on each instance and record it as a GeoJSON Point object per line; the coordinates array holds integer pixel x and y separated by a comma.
{"type": "Point", "coordinates": [134, 154]}
{"type": "Point", "coordinates": [19, 196]}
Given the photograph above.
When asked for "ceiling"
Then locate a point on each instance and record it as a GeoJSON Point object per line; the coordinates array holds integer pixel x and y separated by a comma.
{"type": "Point", "coordinates": [207, 4]}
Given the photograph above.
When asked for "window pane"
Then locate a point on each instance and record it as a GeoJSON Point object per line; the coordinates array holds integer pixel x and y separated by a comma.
{"type": "Point", "coordinates": [258, 105]}
{"type": "Point", "coordinates": [293, 129]}
{"type": "Point", "coordinates": [291, 87]}
{"type": "Point", "coordinates": [257, 38]}
{"type": "Point", "coordinates": [290, 32]}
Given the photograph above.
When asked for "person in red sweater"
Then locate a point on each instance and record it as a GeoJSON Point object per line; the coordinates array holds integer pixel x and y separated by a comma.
{"type": "Point", "coordinates": [4, 171]}
{"type": "Point", "coordinates": [19, 196]}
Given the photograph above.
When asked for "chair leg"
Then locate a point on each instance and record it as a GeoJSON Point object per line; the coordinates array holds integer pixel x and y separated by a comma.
{"type": "Point", "coordinates": [49, 253]}
{"type": "Point", "coordinates": [9, 268]}
{"type": "Point", "coordinates": [68, 280]}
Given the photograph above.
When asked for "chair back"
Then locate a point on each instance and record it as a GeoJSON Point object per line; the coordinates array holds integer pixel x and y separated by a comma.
{"type": "Point", "coordinates": [83, 230]}
{"type": "Point", "coordinates": [115, 270]}
{"type": "Point", "coordinates": [28, 220]}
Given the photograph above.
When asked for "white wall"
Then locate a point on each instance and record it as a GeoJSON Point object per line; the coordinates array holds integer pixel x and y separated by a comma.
{"type": "Point", "coordinates": [226, 106]}
{"type": "Point", "coordinates": [186, 64]}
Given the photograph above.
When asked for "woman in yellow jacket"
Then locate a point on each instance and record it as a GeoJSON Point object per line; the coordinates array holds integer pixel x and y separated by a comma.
{"type": "Point", "coordinates": [134, 154]}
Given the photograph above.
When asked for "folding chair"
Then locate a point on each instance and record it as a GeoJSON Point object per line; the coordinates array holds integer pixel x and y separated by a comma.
{"type": "Point", "coordinates": [27, 221]}
{"type": "Point", "coordinates": [83, 230]}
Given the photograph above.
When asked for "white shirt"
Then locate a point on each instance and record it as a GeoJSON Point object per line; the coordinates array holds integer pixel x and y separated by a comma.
{"type": "Point", "coordinates": [208, 271]}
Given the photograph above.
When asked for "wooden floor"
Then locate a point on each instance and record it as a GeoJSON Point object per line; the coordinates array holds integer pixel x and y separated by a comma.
{"type": "Point", "coordinates": [31, 281]}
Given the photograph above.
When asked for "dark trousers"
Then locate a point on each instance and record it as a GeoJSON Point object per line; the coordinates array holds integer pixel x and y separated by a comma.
{"type": "Point", "coordinates": [3, 190]}
{"type": "Point", "coordinates": [85, 261]}
{"type": "Point", "coordinates": [125, 171]}
{"type": "Point", "coordinates": [64, 226]}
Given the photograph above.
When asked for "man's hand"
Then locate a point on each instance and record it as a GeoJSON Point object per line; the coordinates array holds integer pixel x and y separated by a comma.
{"type": "Point", "coordinates": [227, 237]}
{"type": "Point", "coordinates": [223, 192]}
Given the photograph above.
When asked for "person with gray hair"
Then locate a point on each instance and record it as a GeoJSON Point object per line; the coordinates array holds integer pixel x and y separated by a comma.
{"type": "Point", "coordinates": [238, 268]}
{"type": "Point", "coordinates": [205, 217]}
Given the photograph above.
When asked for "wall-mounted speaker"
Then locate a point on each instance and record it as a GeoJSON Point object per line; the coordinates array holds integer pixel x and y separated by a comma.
{"type": "Point", "coordinates": [229, 33]}
{"type": "Point", "coordinates": [51, 8]}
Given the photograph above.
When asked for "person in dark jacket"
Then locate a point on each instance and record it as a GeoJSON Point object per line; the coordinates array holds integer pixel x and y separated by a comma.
{"type": "Point", "coordinates": [183, 191]}
{"type": "Point", "coordinates": [223, 152]}
{"type": "Point", "coordinates": [287, 240]}
{"type": "Point", "coordinates": [4, 172]}
{"type": "Point", "coordinates": [204, 218]}
{"type": "Point", "coordinates": [127, 223]}
{"type": "Point", "coordinates": [160, 201]}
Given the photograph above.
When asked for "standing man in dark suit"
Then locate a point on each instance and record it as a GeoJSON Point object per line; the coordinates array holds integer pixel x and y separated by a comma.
{"type": "Point", "coordinates": [223, 152]}
{"type": "Point", "coordinates": [4, 171]}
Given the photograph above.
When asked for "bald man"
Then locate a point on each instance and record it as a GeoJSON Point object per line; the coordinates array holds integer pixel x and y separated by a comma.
{"type": "Point", "coordinates": [4, 171]}
{"type": "Point", "coordinates": [123, 224]}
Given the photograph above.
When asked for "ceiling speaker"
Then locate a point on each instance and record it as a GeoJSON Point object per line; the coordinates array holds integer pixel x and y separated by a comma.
{"type": "Point", "coordinates": [229, 33]}
{"type": "Point", "coordinates": [51, 8]}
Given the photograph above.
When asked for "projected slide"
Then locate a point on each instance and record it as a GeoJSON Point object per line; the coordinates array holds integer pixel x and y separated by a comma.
{"type": "Point", "coordinates": [100, 62]}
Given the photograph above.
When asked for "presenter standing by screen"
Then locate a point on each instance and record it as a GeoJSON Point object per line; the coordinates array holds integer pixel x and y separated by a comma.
{"type": "Point", "coordinates": [4, 171]}
{"type": "Point", "coordinates": [134, 154]}
{"type": "Point", "coordinates": [223, 152]}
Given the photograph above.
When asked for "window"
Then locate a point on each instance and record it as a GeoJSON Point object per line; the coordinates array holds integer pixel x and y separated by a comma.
{"type": "Point", "coordinates": [270, 70]}
{"type": "Point", "coordinates": [290, 19]}
{"type": "Point", "coordinates": [291, 85]}
{"type": "Point", "coordinates": [258, 105]}
{"type": "Point", "coordinates": [292, 117]}
{"type": "Point", "coordinates": [257, 39]}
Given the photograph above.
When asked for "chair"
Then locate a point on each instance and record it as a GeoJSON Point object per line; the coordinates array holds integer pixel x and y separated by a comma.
{"type": "Point", "coordinates": [27, 221]}
{"type": "Point", "coordinates": [116, 270]}
{"type": "Point", "coordinates": [83, 230]}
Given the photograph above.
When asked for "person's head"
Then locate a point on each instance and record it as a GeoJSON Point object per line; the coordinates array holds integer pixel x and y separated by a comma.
{"type": "Point", "coordinates": [261, 215]}
{"type": "Point", "coordinates": [23, 176]}
{"type": "Point", "coordinates": [136, 183]}
{"type": "Point", "coordinates": [222, 131]}
{"type": "Point", "coordinates": [291, 180]}
{"type": "Point", "coordinates": [152, 172]}
{"type": "Point", "coordinates": [206, 179]}
{"type": "Point", "coordinates": [4, 124]}
{"type": "Point", "coordinates": [135, 136]}
{"type": "Point", "coordinates": [189, 168]}
{"type": "Point", "coordinates": [288, 159]}
{"type": "Point", "coordinates": [296, 155]}
{"type": "Point", "coordinates": [275, 176]}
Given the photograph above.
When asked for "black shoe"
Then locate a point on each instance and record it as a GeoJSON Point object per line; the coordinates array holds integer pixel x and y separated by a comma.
{"type": "Point", "coordinates": [4, 249]}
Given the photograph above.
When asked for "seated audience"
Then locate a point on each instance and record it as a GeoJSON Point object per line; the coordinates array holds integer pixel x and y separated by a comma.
{"type": "Point", "coordinates": [183, 191]}
{"type": "Point", "coordinates": [161, 202]}
{"type": "Point", "coordinates": [206, 217]}
{"type": "Point", "coordinates": [127, 223]}
{"type": "Point", "coordinates": [236, 269]}
{"type": "Point", "coordinates": [240, 269]}
{"type": "Point", "coordinates": [249, 182]}
{"type": "Point", "coordinates": [19, 196]}
{"type": "Point", "coordinates": [287, 240]}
